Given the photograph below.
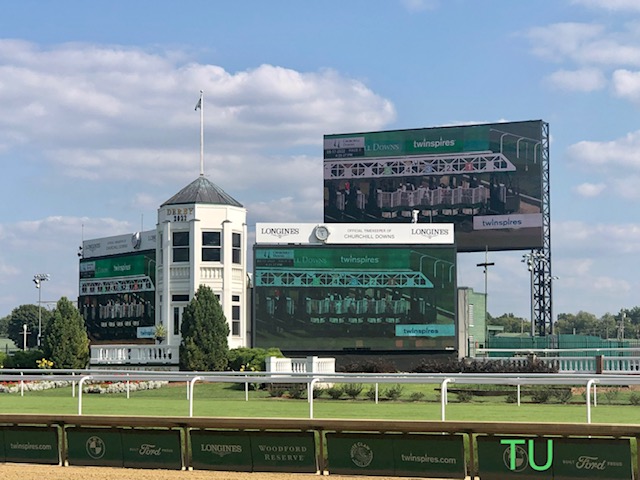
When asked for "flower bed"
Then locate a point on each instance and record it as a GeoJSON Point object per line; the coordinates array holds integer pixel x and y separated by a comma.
{"type": "Point", "coordinates": [15, 387]}
{"type": "Point", "coordinates": [121, 387]}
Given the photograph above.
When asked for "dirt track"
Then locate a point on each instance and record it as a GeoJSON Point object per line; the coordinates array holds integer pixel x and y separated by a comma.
{"type": "Point", "coordinates": [45, 472]}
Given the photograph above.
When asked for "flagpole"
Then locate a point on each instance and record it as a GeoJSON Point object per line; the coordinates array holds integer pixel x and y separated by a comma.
{"type": "Point", "coordinates": [201, 133]}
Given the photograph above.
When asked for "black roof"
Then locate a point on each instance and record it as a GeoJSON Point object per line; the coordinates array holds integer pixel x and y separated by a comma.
{"type": "Point", "coordinates": [202, 190]}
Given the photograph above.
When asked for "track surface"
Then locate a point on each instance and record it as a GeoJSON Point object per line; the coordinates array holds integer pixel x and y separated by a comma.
{"type": "Point", "coordinates": [45, 472]}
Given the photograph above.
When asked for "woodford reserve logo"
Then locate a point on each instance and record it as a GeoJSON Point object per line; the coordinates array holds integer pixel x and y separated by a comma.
{"type": "Point", "coordinates": [288, 453]}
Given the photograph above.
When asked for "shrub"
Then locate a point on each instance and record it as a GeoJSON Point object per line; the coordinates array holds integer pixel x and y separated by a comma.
{"type": "Point", "coordinates": [466, 365]}
{"type": "Point", "coordinates": [393, 392]}
{"type": "Point", "coordinates": [563, 395]}
{"type": "Point", "coordinates": [352, 390]}
{"type": "Point", "coordinates": [416, 396]}
{"type": "Point", "coordinates": [634, 398]}
{"type": "Point", "coordinates": [512, 397]}
{"type": "Point", "coordinates": [24, 359]}
{"type": "Point", "coordinates": [335, 392]}
{"type": "Point", "coordinates": [370, 366]}
{"type": "Point", "coordinates": [464, 396]}
{"type": "Point", "coordinates": [371, 393]}
{"type": "Point", "coordinates": [251, 359]}
{"type": "Point", "coordinates": [612, 395]}
{"type": "Point", "coordinates": [541, 395]}
{"type": "Point", "coordinates": [276, 389]}
{"type": "Point", "coordinates": [297, 390]}
{"type": "Point", "coordinates": [318, 392]}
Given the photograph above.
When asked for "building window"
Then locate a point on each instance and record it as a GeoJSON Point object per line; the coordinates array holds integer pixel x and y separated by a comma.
{"type": "Point", "coordinates": [236, 254]}
{"type": "Point", "coordinates": [180, 246]}
{"type": "Point", "coordinates": [235, 320]}
{"type": "Point", "coordinates": [211, 246]}
{"type": "Point", "coordinates": [176, 320]}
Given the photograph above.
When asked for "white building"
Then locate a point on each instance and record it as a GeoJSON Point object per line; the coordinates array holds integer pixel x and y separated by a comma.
{"type": "Point", "coordinates": [201, 239]}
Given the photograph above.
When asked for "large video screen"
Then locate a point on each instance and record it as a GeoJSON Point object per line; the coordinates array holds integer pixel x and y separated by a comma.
{"type": "Point", "coordinates": [486, 179]}
{"type": "Point", "coordinates": [117, 296]}
{"type": "Point", "coordinates": [337, 298]}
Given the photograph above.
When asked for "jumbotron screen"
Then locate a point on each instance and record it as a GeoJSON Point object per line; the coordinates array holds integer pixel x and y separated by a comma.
{"type": "Point", "coordinates": [117, 296]}
{"type": "Point", "coordinates": [340, 298]}
{"type": "Point", "coordinates": [486, 179]}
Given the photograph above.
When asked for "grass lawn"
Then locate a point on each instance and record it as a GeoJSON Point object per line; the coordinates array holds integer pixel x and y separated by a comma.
{"type": "Point", "coordinates": [213, 400]}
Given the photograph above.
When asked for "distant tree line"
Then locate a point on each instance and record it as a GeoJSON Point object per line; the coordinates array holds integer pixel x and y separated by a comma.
{"type": "Point", "coordinates": [624, 324]}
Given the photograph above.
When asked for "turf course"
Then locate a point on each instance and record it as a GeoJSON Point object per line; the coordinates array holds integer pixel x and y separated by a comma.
{"type": "Point", "coordinates": [220, 400]}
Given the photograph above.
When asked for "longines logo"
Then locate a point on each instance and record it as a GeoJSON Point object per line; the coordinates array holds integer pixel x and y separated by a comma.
{"type": "Point", "coordinates": [92, 247]}
{"type": "Point", "coordinates": [430, 232]}
{"type": "Point", "coordinates": [280, 232]}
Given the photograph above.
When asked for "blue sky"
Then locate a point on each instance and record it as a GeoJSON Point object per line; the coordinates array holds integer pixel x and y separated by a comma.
{"type": "Point", "coordinates": [98, 128]}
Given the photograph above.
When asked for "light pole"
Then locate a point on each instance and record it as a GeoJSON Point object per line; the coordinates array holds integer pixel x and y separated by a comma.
{"type": "Point", "coordinates": [38, 279]}
{"type": "Point", "coordinates": [486, 264]}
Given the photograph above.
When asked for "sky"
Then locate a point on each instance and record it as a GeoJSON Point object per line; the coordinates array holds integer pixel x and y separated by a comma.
{"type": "Point", "coordinates": [98, 127]}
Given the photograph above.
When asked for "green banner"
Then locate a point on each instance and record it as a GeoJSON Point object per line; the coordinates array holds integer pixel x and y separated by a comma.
{"type": "Point", "coordinates": [284, 452]}
{"type": "Point", "coordinates": [322, 258]}
{"type": "Point", "coordinates": [213, 450]}
{"type": "Point", "coordinates": [422, 141]}
{"type": "Point", "coordinates": [2, 449]}
{"type": "Point", "coordinates": [505, 458]}
{"type": "Point", "coordinates": [409, 455]}
{"type": "Point", "coordinates": [440, 456]}
{"type": "Point", "coordinates": [359, 454]}
{"type": "Point", "coordinates": [31, 445]}
{"type": "Point", "coordinates": [152, 449]}
{"type": "Point", "coordinates": [94, 447]}
{"type": "Point", "coordinates": [578, 458]}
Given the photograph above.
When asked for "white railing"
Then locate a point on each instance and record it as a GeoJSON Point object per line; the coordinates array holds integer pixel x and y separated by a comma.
{"type": "Point", "coordinates": [134, 355]}
{"type": "Point", "coordinates": [576, 364]}
{"type": "Point", "coordinates": [301, 365]}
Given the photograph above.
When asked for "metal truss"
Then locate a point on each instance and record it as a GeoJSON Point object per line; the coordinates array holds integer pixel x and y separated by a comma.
{"type": "Point", "coordinates": [543, 279]}
{"type": "Point", "coordinates": [418, 165]}
{"type": "Point", "coordinates": [343, 279]}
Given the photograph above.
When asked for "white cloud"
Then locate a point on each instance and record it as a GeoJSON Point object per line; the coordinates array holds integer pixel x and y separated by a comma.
{"type": "Point", "coordinates": [612, 5]}
{"type": "Point", "coordinates": [620, 156]}
{"type": "Point", "coordinates": [561, 40]}
{"type": "Point", "coordinates": [583, 80]}
{"type": "Point", "coordinates": [626, 84]}
{"type": "Point", "coordinates": [602, 241]}
{"type": "Point", "coordinates": [419, 5]}
{"type": "Point", "coordinates": [589, 189]}
{"type": "Point", "coordinates": [585, 44]}
{"type": "Point", "coordinates": [115, 112]}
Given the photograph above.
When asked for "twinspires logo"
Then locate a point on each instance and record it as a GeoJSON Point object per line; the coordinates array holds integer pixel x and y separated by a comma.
{"type": "Point", "coordinates": [517, 459]}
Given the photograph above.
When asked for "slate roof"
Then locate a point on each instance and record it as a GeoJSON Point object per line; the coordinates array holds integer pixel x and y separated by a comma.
{"type": "Point", "coordinates": [202, 190]}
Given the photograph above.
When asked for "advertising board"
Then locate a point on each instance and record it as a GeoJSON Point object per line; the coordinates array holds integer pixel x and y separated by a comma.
{"type": "Point", "coordinates": [408, 455]}
{"type": "Point", "coordinates": [505, 458]}
{"type": "Point", "coordinates": [370, 297]}
{"type": "Point", "coordinates": [31, 445]}
{"type": "Point", "coordinates": [486, 179]}
{"type": "Point", "coordinates": [94, 447]}
{"type": "Point", "coordinates": [117, 295]}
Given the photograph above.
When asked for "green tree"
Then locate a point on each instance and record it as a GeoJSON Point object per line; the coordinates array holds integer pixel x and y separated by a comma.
{"type": "Point", "coordinates": [65, 340]}
{"type": "Point", "coordinates": [204, 330]}
{"type": "Point", "coordinates": [26, 315]}
{"type": "Point", "coordinates": [4, 326]}
{"type": "Point", "coordinates": [511, 323]}
{"type": "Point", "coordinates": [582, 323]}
